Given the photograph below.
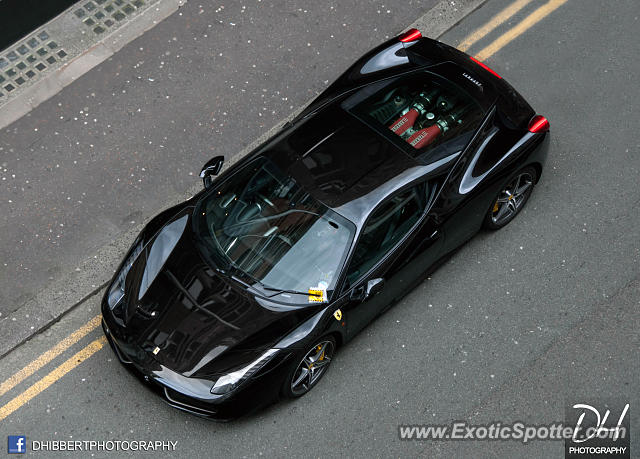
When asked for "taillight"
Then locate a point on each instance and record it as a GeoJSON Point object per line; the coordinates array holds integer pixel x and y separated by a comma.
{"type": "Point", "coordinates": [410, 35]}
{"type": "Point", "coordinates": [538, 124]}
{"type": "Point", "coordinates": [485, 66]}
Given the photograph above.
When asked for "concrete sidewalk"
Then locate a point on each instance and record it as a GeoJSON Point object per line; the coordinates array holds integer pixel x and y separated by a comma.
{"type": "Point", "coordinates": [51, 57]}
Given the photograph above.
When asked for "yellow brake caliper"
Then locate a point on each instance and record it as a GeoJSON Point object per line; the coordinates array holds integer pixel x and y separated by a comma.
{"type": "Point", "coordinates": [319, 358]}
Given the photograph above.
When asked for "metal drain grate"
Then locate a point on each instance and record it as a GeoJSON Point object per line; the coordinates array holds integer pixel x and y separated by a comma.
{"type": "Point", "coordinates": [47, 51]}
{"type": "Point", "coordinates": [100, 15]}
{"type": "Point", "coordinates": [26, 59]}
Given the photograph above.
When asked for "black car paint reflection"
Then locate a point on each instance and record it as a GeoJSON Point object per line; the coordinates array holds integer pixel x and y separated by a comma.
{"type": "Point", "coordinates": [190, 318]}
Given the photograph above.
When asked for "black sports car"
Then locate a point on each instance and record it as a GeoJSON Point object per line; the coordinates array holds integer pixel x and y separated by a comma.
{"type": "Point", "coordinates": [243, 293]}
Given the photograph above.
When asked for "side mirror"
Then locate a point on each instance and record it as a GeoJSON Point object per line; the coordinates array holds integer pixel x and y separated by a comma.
{"type": "Point", "coordinates": [374, 286]}
{"type": "Point", "coordinates": [364, 292]}
{"type": "Point", "coordinates": [210, 169]}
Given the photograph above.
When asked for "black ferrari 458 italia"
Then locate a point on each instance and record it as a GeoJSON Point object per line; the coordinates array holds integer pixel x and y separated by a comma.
{"type": "Point", "coordinates": [242, 294]}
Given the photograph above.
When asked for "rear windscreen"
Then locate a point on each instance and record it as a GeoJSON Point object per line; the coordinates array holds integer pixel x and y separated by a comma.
{"type": "Point", "coordinates": [423, 113]}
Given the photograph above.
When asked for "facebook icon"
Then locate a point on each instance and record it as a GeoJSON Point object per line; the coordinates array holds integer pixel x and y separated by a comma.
{"type": "Point", "coordinates": [17, 444]}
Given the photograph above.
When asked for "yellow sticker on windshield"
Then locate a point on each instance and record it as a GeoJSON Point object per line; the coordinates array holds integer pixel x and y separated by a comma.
{"type": "Point", "coordinates": [316, 296]}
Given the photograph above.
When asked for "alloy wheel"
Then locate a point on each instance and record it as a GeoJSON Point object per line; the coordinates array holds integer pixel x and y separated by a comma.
{"type": "Point", "coordinates": [312, 367]}
{"type": "Point", "coordinates": [512, 198]}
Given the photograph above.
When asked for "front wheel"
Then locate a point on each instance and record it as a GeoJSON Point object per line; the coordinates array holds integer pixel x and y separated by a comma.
{"type": "Point", "coordinates": [511, 199]}
{"type": "Point", "coordinates": [309, 368]}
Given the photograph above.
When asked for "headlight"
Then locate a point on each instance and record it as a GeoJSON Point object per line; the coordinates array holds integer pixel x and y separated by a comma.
{"type": "Point", "coordinates": [230, 381]}
{"type": "Point", "coordinates": [116, 292]}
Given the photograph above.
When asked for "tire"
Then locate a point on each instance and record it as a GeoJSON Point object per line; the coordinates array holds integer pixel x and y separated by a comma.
{"type": "Point", "coordinates": [306, 372]}
{"type": "Point", "coordinates": [511, 199]}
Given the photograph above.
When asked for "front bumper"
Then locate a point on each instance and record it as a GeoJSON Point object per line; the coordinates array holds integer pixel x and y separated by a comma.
{"type": "Point", "coordinates": [193, 395]}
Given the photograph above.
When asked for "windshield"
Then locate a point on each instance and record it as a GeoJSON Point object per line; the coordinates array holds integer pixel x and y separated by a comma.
{"type": "Point", "coordinates": [262, 223]}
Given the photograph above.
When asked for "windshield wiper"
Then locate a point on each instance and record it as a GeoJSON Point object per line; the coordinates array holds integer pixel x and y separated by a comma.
{"type": "Point", "coordinates": [244, 273]}
{"type": "Point", "coordinates": [262, 285]}
{"type": "Point", "coordinates": [284, 290]}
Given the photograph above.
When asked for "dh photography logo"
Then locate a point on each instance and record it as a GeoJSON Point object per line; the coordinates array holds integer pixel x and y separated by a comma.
{"type": "Point", "coordinates": [601, 428]}
{"type": "Point", "coordinates": [17, 444]}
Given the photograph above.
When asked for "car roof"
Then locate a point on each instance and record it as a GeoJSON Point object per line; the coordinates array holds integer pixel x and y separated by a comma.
{"type": "Point", "coordinates": [344, 163]}
{"type": "Point", "coordinates": [349, 166]}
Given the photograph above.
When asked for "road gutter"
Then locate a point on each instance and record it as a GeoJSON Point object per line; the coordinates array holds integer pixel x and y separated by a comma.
{"type": "Point", "coordinates": [90, 277]}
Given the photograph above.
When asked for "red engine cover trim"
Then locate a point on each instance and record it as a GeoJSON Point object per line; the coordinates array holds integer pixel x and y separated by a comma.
{"type": "Point", "coordinates": [405, 122]}
{"type": "Point", "coordinates": [424, 137]}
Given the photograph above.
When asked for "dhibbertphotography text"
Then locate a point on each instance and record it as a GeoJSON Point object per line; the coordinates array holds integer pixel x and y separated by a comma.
{"type": "Point", "coordinates": [105, 445]}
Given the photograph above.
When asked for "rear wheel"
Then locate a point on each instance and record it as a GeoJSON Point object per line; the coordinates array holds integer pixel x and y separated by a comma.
{"type": "Point", "coordinates": [309, 368]}
{"type": "Point", "coordinates": [511, 198]}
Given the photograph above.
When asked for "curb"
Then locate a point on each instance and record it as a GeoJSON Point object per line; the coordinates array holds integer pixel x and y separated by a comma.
{"type": "Point", "coordinates": [91, 276]}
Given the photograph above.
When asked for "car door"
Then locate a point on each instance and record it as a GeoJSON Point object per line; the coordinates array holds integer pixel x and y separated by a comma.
{"type": "Point", "coordinates": [397, 244]}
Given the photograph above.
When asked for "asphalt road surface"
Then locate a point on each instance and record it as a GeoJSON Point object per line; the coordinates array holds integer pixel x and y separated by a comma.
{"type": "Point", "coordinates": [515, 326]}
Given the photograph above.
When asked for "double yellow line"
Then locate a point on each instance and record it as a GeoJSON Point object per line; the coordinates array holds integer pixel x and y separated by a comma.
{"type": "Point", "coordinates": [517, 30]}
{"type": "Point", "coordinates": [55, 374]}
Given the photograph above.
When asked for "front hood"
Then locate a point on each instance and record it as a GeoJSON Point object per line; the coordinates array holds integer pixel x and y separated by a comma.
{"type": "Point", "coordinates": [200, 319]}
